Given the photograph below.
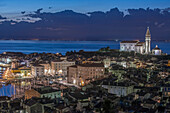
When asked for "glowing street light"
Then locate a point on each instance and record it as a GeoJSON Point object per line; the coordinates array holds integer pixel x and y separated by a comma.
{"type": "Point", "coordinates": [74, 81]}
{"type": "Point", "coordinates": [60, 71]}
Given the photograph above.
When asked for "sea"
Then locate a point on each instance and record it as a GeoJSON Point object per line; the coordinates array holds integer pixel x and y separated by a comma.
{"type": "Point", "coordinates": [31, 46]}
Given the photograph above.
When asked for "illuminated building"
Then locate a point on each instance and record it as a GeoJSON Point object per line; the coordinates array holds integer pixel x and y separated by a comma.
{"type": "Point", "coordinates": [168, 63]}
{"type": "Point", "coordinates": [60, 66]}
{"type": "Point", "coordinates": [37, 70]}
{"type": "Point", "coordinates": [148, 42]}
{"type": "Point", "coordinates": [31, 93]}
{"type": "Point", "coordinates": [42, 93]}
{"type": "Point", "coordinates": [128, 45]}
{"type": "Point", "coordinates": [15, 70]}
{"type": "Point", "coordinates": [15, 64]}
{"type": "Point", "coordinates": [166, 89]}
{"type": "Point", "coordinates": [107, 62]}
{"type": "Point", "coordinates": [84, 73]}
{"type": "Point", "coordinates": [137, 46]}
{"type": "Point", "coordinates": [6, 59]}
{"type": "Point", "coordinates": [156, 51]}
{"type": "Point", "coordinates": [119, 88]}
{"type": "Point", "coordinates": [25, 71]}
{"type": "Point", "coordinates": [47, 68]}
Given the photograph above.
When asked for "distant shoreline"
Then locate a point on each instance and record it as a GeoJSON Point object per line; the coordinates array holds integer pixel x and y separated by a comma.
{"type": "Point", "coordinates": [72, 40]}
{"type": "Point", "coordinates": [63, 46]}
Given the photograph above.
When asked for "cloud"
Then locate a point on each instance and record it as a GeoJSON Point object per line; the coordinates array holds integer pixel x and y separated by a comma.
{"type": "Point", "coordinates": [21, 19]}
{"type": "Point", "coordinates": [38, 11]}
{"type": "Point", "coordinates": [12, 23]}
{"type": "Point", "coordinates": [23, 12]}
{"type": "Point", "coordinates": [167, 9]}
{"type": "Point", "coordinates": [51, 29]}
{"type": "Point", "coordinates": [161, 25]}
{"type": "Point", "coordinates": [98, 25]}
{"type": "Point", "coordinates": [2, 17]}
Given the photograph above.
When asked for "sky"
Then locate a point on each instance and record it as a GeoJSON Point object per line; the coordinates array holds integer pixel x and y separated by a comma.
{"type": "Point", "coordinates": [50, 25]}
{"type": "Point", "coordinates": [83, 6]}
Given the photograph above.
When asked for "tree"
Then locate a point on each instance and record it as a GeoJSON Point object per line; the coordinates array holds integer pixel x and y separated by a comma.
{"type": "Point", "coordinates": [107, 106]}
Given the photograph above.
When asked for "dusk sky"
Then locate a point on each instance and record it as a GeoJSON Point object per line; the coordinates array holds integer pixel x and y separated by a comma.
{"type": "Point", "coordinates": [14, 6]}
{"type": "Point", "coordinates": [84, 19]}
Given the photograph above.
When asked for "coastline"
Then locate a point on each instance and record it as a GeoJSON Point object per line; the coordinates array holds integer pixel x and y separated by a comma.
{"type": "Point", "coordinates": [59, 46]}
{"type": "Point", "coordinates": [114, 40]}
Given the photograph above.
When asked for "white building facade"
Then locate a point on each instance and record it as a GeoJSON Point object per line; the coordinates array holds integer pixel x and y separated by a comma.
{"type": "Point", "coordinates": [137, 46]}
{"type": "Point", "coordinates": [119, 90]}
{"type": "Point", "coordinates": [156, 51]}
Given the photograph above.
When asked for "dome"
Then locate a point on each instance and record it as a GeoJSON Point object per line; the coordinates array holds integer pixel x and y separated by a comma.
{"type": "Point", "coordinates": [156, 51]}
{"type": "Point", "coordinates": [156, 48]}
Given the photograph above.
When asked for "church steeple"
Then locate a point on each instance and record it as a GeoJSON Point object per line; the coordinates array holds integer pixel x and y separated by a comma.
{"type": "Point", "coordinates": [148, 41]}
{"type": "Point", "coordinates": [148, 34]}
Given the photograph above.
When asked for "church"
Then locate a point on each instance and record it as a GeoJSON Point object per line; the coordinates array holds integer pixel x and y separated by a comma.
{"type": "Point", "coordinates": [137, 46]}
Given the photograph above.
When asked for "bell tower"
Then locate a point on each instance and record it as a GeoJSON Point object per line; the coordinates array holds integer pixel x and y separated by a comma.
{"type": "Point", "coordinates": [147, 41]}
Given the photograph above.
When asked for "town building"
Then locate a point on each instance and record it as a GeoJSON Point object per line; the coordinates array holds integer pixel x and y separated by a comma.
{"type": "Point", "coordinates": [31, 93]}
{"type": "Point", "coordinates": [137, 46]}
{"type": "Point", "coordinates": [43, 92]}
{"type": "Point", "coordinates": [107, 62]}
{"type": "Point", "coordinates": [25, 71]}
{"type": "Point", "coordinates": [37, 70]}
{"type": "Point", "coordinates": [119, 88]}
{"type": "Point", "coordinates": [6, 59]}
{"type": "Point", "coordinates": [15, 64]}
{"type": "Point", "coordinates": [15, 70]}
{"type": "Point", "coordinates": [39, 105]}
{"type": "Point", "coordinates": [60, 66]}
{"type": "Point", "coordinates": [156, 51]}
{"type": "Point", "coordinates": [128, 45]}
{"type": "Point", "coordinates": [168, 63]}
{"type": "Point", "coordinates": [166, 89]}
{"type": "Point", "coordinates": [47, 68]}
{"type": "Point", "coordinates": [84, 73]}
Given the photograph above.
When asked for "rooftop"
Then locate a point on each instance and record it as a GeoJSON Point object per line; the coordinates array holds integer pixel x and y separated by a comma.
{"type": "Point", "coordinates": [37, 65]}
{"type": "Point", "coordinates": [24, 68]}
{"type": "Point", "coordinates": [79, 95]}
{"type": "Point", "coordinates": [136, 41]}
{"type": "Point", "coordinates": [59, 60]}
{"type": "Point", "coordinates": [89, 65]}
{"type": "Point", "coordinates": [44, 90]}
{"type": "Point", "coordinates": [92, 65]}
{"type": "Point", "coordinates": [156, 48]}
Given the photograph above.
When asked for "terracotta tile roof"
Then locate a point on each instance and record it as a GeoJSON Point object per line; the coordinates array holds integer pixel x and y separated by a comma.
{"type": "Point", "coordinates": [89, 65]}
{"type": "Point", "coordinates": [129, 42]}
{"type": "Point", "coordinates": [62, 60]}
{"type": "Point", "coordinates": [24, 68]}
{"type": "Point", "coordinates": [141, 43]}
{"type": "Point", "coordinates": [92, 65]}
{"type": "Point", "coordinates": [75, 66]}
{"type": "Point", "coordinates": [156, 48]}
{"type": "Point", "coordinates": [138, 45]}
{"type": "Point", "coordinates": [37, 65]}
